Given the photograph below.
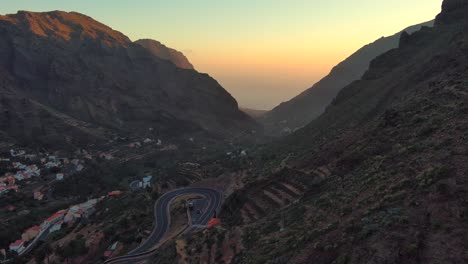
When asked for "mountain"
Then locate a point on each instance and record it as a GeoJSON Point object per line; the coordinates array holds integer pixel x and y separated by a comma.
{"type": "Point", "coordinates": [161, 51]}
{"type": "Point", "coordinates": [379, 177]}
{"type": "Point", "coordinates": [307, 106]}
{"type": "Point", "coordinates": [64, 71]}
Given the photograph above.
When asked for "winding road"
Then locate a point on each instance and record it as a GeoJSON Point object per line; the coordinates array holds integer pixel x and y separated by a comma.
{"type": "Point", "coordinates": [162, 220]}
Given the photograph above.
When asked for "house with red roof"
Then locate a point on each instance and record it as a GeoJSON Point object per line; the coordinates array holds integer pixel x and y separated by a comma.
{"type": "Point", "coordinates": [114, 193]}
{"type": "Point", "coordinates": [31, 233]}
{"type": "Point", "coordinates": [58, 216]}
{"type": "Point", "coordinates": [213, 222]}
{"type": "Point", "coordinates": [17, 246]}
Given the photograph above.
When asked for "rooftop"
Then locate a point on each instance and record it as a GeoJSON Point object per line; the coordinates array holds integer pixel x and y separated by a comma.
{"type": "Point", "coordinates": [56, 215]}
{"type": "Point", "coordinates": [17, 243]}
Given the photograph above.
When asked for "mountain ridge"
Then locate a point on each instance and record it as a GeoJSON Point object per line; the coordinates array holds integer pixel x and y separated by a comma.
{"type": "Point", "coordinates": [162, 51]}
{"type": "Point", "coordinates": [379, 177]}
{"type": "Point", "coordinates": [86, 70]}
{"type": "Point", "coordinates": [308, 105]}
{"type": "Point", "coordinates": [65, 25]}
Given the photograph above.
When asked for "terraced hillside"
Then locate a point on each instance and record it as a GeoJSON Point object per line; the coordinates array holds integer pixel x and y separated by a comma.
{"type": "Point", "coordinates": [381, 176]}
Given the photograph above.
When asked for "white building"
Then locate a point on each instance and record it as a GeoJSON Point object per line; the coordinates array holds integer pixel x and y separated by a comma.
{"type": "Point", "coordinates": [59, 176]}
{"type": "Point", "coordinates": [79, 167]}
{"type": "Point", "coordinates": [17, 246]}
{"type": "Point", "coordinates": [56, 227]}
{"type": "Point", "coordinates": [147, 181]}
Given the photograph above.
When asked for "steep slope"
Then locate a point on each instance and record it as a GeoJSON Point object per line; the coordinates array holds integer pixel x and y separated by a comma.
{"type": "Point", "coordinates": [307, 106]}
{"type": "Point", "coordinates": [76, 66]}
{"type": "Point", "coordinates": [161, 51]}
{"type": "Point", "coordinates": [381, 176]}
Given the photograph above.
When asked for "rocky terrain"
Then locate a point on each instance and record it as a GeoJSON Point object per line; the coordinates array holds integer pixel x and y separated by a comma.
{"type": "Point", "coordinates": [310, 104]}
{"type": "Point", "coordinates": [380, 177]}
{"type": "Point", "coordinates": [59, 69]}
{"type": "Point", "coordinates": [161, 51]}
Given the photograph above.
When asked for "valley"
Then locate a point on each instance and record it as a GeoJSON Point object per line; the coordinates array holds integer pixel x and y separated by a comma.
{"type": "Point", "coordinates": [120, 151]}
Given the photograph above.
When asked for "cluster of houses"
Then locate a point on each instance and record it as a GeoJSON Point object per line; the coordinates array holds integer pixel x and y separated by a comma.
{"type": "Point", "coordinates": [25, 172]}
{"type": "Point", "coordinates": [54, 223]}
{"type": "Point", "coordinates": [22, 172]}
{"type": "Point", "coordinates": [81, 211]}
{"type": "Point", "coordinates": [145, 141]}
{"type": "Point", "coordinates": [7, 186]}
{"type": "Point", "coordinates": [239, 153]}
{"type": "Point", "coordinates": [73, 165]}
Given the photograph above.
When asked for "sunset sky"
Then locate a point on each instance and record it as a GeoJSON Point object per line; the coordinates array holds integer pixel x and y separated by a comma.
{"type": "Point", "coordinates": [262, 51]}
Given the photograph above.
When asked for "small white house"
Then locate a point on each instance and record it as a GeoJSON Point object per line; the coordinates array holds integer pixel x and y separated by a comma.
{"type": "Point", "coordinates": [80, 167]}
{"type": "Point", "coordinates": [59, 176]}
{"type": "Point", "coordinates": [52, 164]}
{"type": "Point", "coordinates": [147, 181]}
{"type": "Point", "coordinates": [19, 176]}
{"type": "Point", "coordinates": [56, 227]}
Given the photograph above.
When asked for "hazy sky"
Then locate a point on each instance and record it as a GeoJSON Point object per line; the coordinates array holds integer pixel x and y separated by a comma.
{"type": "Point", "coordinates": [262, 51]}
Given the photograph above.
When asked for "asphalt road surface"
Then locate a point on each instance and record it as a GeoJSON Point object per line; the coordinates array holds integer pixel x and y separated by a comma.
{"type": "Point", "coordinates": [162, 220]}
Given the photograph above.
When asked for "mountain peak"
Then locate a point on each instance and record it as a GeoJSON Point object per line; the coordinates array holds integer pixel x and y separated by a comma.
{"type": "Point", "coordinates": [66, 26]}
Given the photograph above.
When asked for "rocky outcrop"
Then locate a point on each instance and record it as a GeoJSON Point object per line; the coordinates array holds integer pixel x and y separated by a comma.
{"type": "Point", "coordinates": [161, 51]}
{"type": "Point", "coordinates": [452, 12]}
{"type": "Point", "coordinates": [71, 26]}
{"type": "Point", "coordinates": [74, 65]}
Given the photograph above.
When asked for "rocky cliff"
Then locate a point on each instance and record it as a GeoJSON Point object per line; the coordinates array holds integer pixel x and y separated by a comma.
{"type": "Point", "coordinates": [70, 64]}
{"type": "Point", "coordinates": [165, 53]}
{"type": "Point", "coordinates": [453, 11]}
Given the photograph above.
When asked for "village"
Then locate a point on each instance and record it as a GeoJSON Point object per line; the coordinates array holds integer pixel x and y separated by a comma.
{"type": "Point", "coordinates": [34, 173]}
